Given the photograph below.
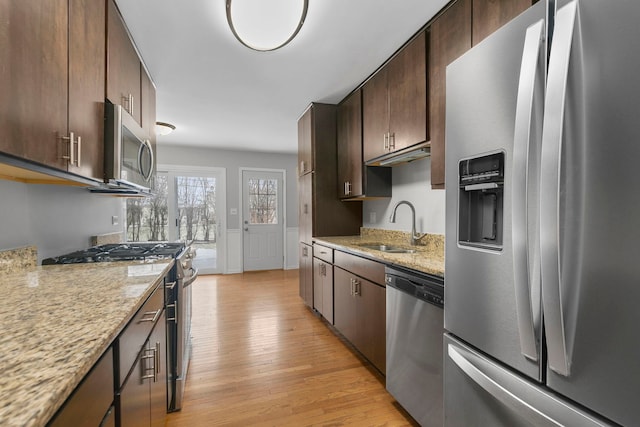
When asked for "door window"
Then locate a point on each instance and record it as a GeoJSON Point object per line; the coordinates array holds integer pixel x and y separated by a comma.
{"type": "Point", "coordinates": [263, 201]}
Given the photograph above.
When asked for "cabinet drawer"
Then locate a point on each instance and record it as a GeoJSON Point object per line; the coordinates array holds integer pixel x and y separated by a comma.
{"type": "Point", "coordinates": [323, 252]}
{"type": "Point", "coordinates": [363, 267]}
{"type": "Point", "coordinates": [90, 402]}
{"type": "Point", "coordinates": [136, 332]}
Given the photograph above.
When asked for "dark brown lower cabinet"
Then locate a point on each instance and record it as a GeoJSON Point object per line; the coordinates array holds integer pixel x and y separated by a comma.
{"type": "Point", "coordinates": [323, 288]}
{"type": "Point", "coordinates": [306, 274]}
{"type": "Point", "coordinates": [360, 315]}
{"type": "Point", "coordinates": [91, 401]}
{"type": "Point", "coordinates": [143, 397]}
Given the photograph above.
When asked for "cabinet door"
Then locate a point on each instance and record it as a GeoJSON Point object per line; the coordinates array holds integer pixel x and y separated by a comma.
{"type": "Point", "coordinates": [318, 267]}
{"type": "Point", "coordinates": [327, 293]}
{"type": "Point", "coordinates": [372, 319]}
{"type": "Point", "coordinates": [407, 81]}
{"type": "Point", "coordinates": [33, 80]}
{"type": "Point", "coordinates": [306, 274]}
{"type": "Point", "coordinates": [135, 408]}
{"type": "Point", "coordinates": [86, 85]}
{"type": "Point", "coordinates": [489, 15]}
{"type": "Point", "coordinates": [375, 116]}
{"type": "Point", "coordinates": [123, 65]}
{"type": "Point", "coordinates": [344, 305]}
{"type": "Point", "coordinates": [350, 146]}
{"type": "Point", "coordinates": [450, 37]}
{"type": "Point", "coordinates": [305, 143]}
{"type": "Point", "coordinates": [305, 208]}
{"type": "Point", "coordinates": [92, 399]}
{"type": "Point", "coordinates": [158, 343]}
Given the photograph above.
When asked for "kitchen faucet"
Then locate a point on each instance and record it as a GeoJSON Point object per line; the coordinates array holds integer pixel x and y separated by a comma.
{"type": "Point", "coordinates": [414, 236]}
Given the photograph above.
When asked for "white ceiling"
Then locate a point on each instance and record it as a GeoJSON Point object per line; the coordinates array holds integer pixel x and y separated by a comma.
{"type": "Point", "coordinates": [221, 94]}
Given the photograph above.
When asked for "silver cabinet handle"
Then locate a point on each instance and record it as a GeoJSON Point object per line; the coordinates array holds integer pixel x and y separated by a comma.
{"type": "Point", "coordinates": [154, 356]}
{"type": "Point", "coordinates": [351, 287]}
{"type": "Point", "coordinates": [528, 123]}
{"type": "Point", "coordinates": [304, 251]}
{"type": "Point", "coordinates": [131, 104]}
{"type": "Point", "coordinates": [157, 361]}
{"type": "Point", "coordinates": [154, 314]}
{"type": "Point", "coordinates": [175, 312]}
{"type": "Point", "coordinates": [79, 145]}
{"type": "Point", "coordinates": [306, 208]}
{"type": "Point", "coordinates": [550, 174]}
{"type": "Point", "coordinates": [392, 145]}
{"type": "Point", "coordinates": [171, 285]}
{"type": "Point", "coordinates": [71, 156]}
{"type": "Point", "coordinates": [358, 288]}
{"type": "Point", "coordinates": [385, 142]}
{"type": "Point", "coordinates": [303, 166]}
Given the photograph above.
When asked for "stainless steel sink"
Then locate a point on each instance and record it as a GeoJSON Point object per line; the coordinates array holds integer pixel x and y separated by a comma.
{"type": "Point", "coordinates": [387, 248]}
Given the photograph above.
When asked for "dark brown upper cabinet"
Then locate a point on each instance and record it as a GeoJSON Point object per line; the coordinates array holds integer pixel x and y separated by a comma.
{"type": "Point", "coordinates": [350, 146]}
{"type": "Point", "coordinates": [123, 66]}
{"type": "Point", "coordinates": [355, 180]}
{"type": "Point", "coordinates": [394, 102]}
{"type": "Point", "coordinates": [321, 213]}
{"type": "Point", "coordinates": [490, 15]}
{"type": "Point", "coordinates": [450, 37]}
{"type": "Point", "coordinates": [52, 80]}
{"type": "Point", "coordinates": [463, 24]}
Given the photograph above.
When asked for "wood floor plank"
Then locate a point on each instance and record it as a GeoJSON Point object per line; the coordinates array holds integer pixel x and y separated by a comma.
{"type": "Point", "coordinates": [262, 358]}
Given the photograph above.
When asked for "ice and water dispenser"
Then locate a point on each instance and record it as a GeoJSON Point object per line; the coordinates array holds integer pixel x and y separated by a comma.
{"type": "Point", "coordinates": [480, 208]}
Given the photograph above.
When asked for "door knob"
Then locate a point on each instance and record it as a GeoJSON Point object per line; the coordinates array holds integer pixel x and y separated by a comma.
{"type": "Point", "coordinates": [246, 229]}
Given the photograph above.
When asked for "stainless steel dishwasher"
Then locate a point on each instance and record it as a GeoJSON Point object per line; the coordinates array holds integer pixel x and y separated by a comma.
{"type": "Point", "coordinates": [415, 327]}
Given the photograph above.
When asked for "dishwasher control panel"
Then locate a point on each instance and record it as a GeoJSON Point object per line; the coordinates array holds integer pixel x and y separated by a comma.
{"type": "Point", "coordinates": [424, 287]}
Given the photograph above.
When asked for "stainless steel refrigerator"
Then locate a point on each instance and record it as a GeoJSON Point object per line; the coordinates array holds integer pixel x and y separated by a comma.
{"type": "Point", "coordinates": [542, 286]}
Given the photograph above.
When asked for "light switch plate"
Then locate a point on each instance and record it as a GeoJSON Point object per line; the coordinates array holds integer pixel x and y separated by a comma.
{"type": "Point", "coordinates": [114, 220]}
{"type": "Point", "coordinates": [233, 211]}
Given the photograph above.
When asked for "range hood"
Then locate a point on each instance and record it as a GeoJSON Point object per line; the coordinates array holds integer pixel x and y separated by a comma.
{"type": "Point", "coordinates": [407, 155]}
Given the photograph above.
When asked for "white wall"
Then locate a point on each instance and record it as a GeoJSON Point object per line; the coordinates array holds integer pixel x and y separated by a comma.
{"type": "Point", "coordinates": [57, 219]}
{"type": "Point", "coordinates": [411, 182]}
{"type": "Point", "coordinates": [233, 161]}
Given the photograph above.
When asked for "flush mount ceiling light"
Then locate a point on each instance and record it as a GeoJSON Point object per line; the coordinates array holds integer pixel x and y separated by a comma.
{"type": "Point", "coordinates": [163, 128]}
{"type": "Point", "coordinates": [266, 25]}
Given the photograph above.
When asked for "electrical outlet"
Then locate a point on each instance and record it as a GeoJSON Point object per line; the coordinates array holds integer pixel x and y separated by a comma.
{"type": "Point", "coordinates": [372, 217]}
{"type": "Point", "coordinates": [233, 211]}
{"type": "Point", "coordinates": [114, 220]}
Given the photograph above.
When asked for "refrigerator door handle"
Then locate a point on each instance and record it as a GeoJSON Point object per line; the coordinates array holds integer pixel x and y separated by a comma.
{"type": "Point", "coordinates": [468, 364]}
{"type": "Point", "coordinates": [526, 137]}
{"type": "Point", "coordinates": [530, 402]}
{"type": "Point", "coordinates": [550, 181]}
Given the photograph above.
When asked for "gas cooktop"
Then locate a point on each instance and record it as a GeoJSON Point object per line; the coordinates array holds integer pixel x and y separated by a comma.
{"type": "Point", "coordinates": [120, 252]}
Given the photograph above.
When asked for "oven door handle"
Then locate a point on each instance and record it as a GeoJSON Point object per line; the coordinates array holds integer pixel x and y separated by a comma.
{"type": "Point", "coordinates": [192, 278]}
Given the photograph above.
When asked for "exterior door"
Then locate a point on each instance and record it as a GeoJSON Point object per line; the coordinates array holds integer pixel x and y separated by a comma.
{"type": "Point", "coordinates": [187, 206]}
{"type": "Point", "coordinates": [263, 219]}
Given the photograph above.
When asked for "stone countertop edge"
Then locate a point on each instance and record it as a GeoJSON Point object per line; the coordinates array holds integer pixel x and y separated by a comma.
{"type": "Point", "coordinates": [61, 320]}
{"type": "Point", "coordinates": [426, 259]}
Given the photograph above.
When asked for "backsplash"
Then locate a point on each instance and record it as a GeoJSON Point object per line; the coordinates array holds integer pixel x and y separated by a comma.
{"type": "Point", "coordinates": [411, 182]}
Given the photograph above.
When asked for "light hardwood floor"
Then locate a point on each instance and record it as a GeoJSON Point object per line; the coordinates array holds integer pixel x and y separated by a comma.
{"type": "Point", "coordinates": [261, 358]}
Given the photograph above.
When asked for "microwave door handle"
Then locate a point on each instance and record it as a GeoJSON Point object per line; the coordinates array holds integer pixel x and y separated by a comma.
{"type": "Point", "coordinates": [550, 182]}
{"type": "Point", "coordinates": [527, 284]}
{"type": "Point", "coordinates": [146, 145]}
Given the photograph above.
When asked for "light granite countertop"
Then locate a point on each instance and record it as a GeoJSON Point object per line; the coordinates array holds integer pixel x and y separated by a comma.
{"type": "Point", "coordinates": [428, 258]}
{"type": "Point", "coordinates": [56, 322]}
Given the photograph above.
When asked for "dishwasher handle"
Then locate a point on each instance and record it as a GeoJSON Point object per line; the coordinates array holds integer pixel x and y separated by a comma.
{"type": "Point", "coordinates": [429, 292]}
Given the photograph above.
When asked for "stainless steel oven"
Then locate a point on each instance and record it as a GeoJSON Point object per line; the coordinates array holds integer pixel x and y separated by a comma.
{"type": "Point", "coordinates": [180, 330]}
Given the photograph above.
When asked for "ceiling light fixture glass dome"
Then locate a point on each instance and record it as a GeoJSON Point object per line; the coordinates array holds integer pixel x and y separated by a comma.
{"type": "Point", "coordinates": [266, 25]}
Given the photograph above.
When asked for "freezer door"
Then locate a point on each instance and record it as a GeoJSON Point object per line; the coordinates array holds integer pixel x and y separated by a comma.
{"type": "Point", "coordinates": [590, 207]}
{"type": "Point", "coordinates": [480, 392]}
{"type": "Point", "coordinates": [495, 98]}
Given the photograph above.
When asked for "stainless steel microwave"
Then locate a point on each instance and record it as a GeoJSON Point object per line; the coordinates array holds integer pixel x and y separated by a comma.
{"type": "Point", "coordinates": [129, 157]}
